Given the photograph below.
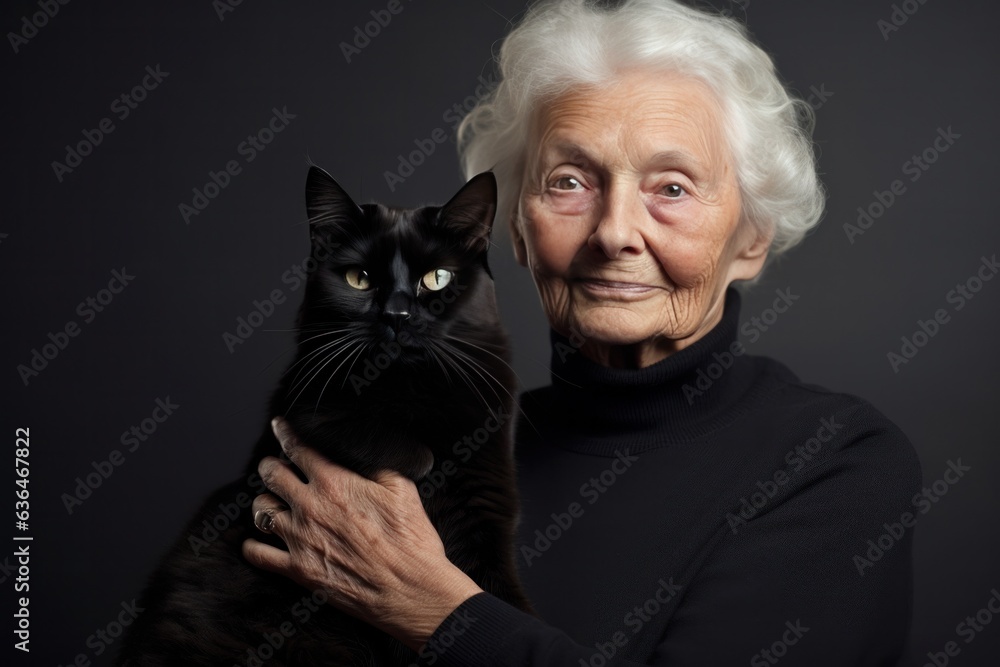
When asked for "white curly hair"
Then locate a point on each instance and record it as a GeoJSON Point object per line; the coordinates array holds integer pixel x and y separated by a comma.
{"type": "Point", "coordinates": [561, 45]}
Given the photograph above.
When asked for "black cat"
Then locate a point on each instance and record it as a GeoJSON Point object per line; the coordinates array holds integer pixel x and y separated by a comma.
{"type": "Point", "coordinates": [401, 364]}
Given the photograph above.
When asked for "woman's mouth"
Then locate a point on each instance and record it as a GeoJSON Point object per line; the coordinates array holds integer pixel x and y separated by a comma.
{"type": "Point", "coordinates": [613, 289]}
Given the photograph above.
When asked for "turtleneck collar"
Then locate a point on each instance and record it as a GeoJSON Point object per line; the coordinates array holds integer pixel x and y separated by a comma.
{"type": "Point", "coordinates": [684, 397]}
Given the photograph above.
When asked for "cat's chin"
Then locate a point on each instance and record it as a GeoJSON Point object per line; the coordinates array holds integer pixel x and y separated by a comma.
{"type": "Point", "coordinates": [415, 360]}
{"type": "Point", "coordinates": [400, 350]}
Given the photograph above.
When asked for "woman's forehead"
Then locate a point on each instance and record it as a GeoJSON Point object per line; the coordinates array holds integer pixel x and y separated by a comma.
{"type": "Point", "coordinates": [642, 117]}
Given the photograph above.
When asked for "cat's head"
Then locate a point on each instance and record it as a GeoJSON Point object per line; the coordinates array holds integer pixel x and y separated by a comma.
{"type": "Point", "coordinates": [401, 283]}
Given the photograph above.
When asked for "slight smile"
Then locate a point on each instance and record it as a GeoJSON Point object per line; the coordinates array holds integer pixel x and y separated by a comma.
{"type": "Point", "coordinates": [612, 289]}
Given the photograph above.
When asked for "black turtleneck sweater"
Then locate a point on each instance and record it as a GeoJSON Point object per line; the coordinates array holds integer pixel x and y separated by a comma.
{"type": "Point", "coordinates": [710, 509]}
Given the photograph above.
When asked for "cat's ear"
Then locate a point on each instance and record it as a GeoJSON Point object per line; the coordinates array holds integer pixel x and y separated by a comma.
{"type": "Point", "coordinates": [328, 205]}
{"type": "Point", "coordinates": [470, 212]}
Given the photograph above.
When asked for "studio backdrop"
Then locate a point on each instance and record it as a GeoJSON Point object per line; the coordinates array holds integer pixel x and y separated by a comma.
{"type": "Point", "coordinates": [153, 245]}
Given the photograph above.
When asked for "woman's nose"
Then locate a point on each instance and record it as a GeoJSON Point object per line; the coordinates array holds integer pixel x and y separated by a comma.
{"type": "Point", "coordinates": [618, 228]}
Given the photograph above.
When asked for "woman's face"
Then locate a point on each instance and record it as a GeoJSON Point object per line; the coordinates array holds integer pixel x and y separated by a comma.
{"type": "Point", "coordinates": [628, 217]}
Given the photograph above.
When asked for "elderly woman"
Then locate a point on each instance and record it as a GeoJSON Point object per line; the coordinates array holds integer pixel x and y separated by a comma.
{"type": "Point", "coordinates": [684, 503]}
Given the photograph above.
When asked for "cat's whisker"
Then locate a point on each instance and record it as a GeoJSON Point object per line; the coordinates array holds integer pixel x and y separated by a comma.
{"type": "Point", "coordinates": [320, 365]}
{"type": "Point", "coordinates": [442, 356]}
{"type": "Point", "coordinates": [436, 357]}
{"type": "Point", "coordinates": [350, 368]}
{"type": "Point", "coordinates": [312, 355]}
{"type": "Point", "coordinates": [358, 350]}
{"type": "Point", "coordinates": [291, 348]}
{"type": "Point", "coordinates": [465, 377]}
{"type": "Point", "coordinates": [471, 359]}
{"type": "Point", "coordinates": [296, 345]}
{"type": "Point", "coordinates": [325, 333]}
{"type": "Point", "coordinates": [492, 354]}
{"type": "Point", "coordinates": [475, 367]}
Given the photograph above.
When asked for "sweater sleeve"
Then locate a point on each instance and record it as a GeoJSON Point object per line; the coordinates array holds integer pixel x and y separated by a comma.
{"type": "Point", "coordinates": [485, 631]}
{"type": "Point", "coordinates": [799, 582]}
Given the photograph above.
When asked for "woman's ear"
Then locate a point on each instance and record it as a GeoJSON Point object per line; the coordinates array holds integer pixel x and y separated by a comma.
{"type": "Point", "coordinates": [757, 248]}
{"type": "Point", "coordinates": [750, 258]}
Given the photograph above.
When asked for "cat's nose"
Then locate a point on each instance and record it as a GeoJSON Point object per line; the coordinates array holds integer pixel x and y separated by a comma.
{"type": "Point", "coordinates": [396, 310]}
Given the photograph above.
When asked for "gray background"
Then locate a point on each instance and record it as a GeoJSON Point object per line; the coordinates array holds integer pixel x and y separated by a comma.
{"type": "Point", "coordinates": [162, 336]}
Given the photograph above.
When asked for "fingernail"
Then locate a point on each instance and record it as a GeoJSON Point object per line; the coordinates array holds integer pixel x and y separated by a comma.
{"type": "Point", "coordinates": [276, 424]}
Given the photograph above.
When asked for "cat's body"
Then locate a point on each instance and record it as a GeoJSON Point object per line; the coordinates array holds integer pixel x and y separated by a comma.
{"type": "Point", "coordinates": [401, 364]}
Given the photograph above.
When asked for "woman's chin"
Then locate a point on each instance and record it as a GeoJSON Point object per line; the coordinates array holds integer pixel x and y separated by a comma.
{"type": "Point", "coordinates": [623, 323]}
{"type": "Point", "coordinates": [610, 330]}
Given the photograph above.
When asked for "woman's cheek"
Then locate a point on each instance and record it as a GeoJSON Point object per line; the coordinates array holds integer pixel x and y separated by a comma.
{"type": "Point", "coordinates": [689, 249]}
{"type": "Point", "coordinates": [574, 204]}
{"type": "Point", "coordinates": [553, 240]}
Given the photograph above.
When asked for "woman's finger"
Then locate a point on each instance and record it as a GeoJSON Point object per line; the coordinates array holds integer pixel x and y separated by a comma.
{"type": "Point", "coordinates": [267, 557]}
{"type": "Point", "coordinates": [268, 501]}
{"type": "Point", "coordinates": [307, 459]}
{"type": "Point", "coordinates": [279, 478]}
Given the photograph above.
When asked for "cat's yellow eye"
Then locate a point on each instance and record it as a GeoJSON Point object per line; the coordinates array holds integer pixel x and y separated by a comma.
{"type": "Point", "coordinates": [357, 278]}
{"type": "Point", "coordinates": [437, 279]}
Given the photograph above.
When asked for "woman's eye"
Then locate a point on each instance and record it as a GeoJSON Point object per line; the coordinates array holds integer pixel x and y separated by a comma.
{"type": "Point", "coordinates": [357, 278]}
{"type": "Point", "coordinates": [437, 279]}
{"type": "Point", "coordinates": [566, 183]}
{"type": "Point", "coordinates": [673, 190]}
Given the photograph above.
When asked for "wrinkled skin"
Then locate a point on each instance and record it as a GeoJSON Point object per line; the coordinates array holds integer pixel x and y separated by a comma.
{"type": "Point", "coordinates": [629, 218]}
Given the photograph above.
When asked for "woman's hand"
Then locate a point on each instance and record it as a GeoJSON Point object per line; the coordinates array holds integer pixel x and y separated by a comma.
{"type": "Point", "coordinates": [367, 543]}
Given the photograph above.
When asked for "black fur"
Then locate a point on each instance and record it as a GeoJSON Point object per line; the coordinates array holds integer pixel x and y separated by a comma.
{"type": "Point", "coordinates": [394, 376]}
